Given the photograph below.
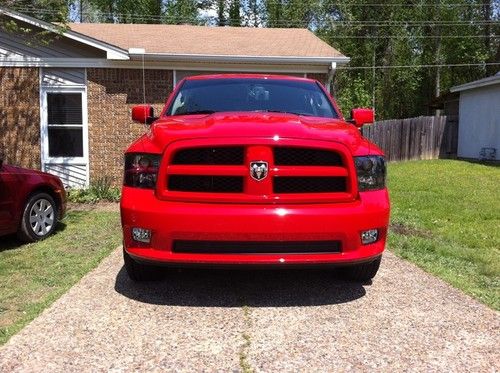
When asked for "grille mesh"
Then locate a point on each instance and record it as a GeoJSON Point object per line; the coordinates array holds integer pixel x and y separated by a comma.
{"type": "Point", "coordinates": [290, 156]}
{"type": "Point", "coordinates": [226, 155]}
{"type": "Point", "coordinates": [208, 184]}
{"type": "Point", "coordinates": [321, 184]}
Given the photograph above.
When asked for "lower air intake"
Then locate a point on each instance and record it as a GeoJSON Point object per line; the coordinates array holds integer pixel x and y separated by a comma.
{"type": "Point", "coordinates": [255, 247]}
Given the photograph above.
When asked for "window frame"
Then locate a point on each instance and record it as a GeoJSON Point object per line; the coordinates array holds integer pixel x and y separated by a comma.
{"type": "Point", "coordinates": [44, 130]}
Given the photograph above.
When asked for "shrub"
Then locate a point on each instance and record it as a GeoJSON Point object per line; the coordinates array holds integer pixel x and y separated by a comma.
{"type": "Point", "coordinates": [101, 190]}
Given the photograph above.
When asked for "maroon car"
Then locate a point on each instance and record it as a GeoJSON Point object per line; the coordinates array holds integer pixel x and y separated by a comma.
{"type": "Point", "coordinates": [31, 202]}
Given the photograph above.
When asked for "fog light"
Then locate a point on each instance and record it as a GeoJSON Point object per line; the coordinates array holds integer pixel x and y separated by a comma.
{"type": "Point", "coordinates": [369, 236]}
{"type": "Point", "coordinates": [141, 235]}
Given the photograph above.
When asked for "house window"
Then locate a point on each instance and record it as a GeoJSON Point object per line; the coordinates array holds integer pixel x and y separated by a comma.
{"type": "Point", "coordinates": [65, 124]}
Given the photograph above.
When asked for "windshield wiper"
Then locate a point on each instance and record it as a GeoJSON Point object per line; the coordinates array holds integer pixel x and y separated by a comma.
{"type": "Point", "coordinates": [284, 112]}
{"type": "Point", "coordinates": [198, 112]}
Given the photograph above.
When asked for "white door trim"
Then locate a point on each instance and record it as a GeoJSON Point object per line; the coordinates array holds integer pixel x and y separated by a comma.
{"type": "Point", "coordinates": [44, 140]}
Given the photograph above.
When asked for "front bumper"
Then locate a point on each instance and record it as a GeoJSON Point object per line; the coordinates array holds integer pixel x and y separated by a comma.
{"type": "Point", "coordinates": [170, 220]}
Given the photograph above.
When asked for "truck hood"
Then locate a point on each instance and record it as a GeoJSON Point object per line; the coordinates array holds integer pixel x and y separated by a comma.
{"type": "Point", "coordinates": [264, 125]}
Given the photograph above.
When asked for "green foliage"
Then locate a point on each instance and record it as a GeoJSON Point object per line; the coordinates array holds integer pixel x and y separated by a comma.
{"type": "Point", "coordinates": [291, 13]}
{"type": "Point", "coordinates": [59, 9]}
{"type": "Point", "coordinates": [120, 11]}
{"type": "Point", "coordinates": [234, 13]}
{"type": "Point", "coordinates": [445, 219]}
{"type": "Point", "coordinates": [181, 11]}
{"type": "Point", "coordinates": [59, 13]}
{"type": "Point", "coordinates": [399, 34]}
{"type": "Point", "coordinates": [101, 190]}
{"type": "Point", "coordinates": [358, 94]}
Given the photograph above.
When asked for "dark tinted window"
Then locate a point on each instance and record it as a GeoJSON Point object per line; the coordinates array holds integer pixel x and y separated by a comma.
{"type": "Point", "coordinates": [65, 142]}
{"type": "Point", "coordinates": [65, 124]}
{"type": "Point", "coordinates": [64, 108]}
{"type": "Point", "coordinates": [259, 94]}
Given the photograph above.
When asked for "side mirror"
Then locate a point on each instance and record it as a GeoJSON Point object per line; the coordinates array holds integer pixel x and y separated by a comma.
{"type": "Point", "coordinates": [360, 117]}
{"type": "Point", "coordinates": [143, 114]}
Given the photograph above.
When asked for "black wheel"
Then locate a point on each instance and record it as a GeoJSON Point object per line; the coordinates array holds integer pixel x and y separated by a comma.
{"type": "Point", "coordinates": [39, 218]}
{"type": "Point", "coordinates": [361, 272]}
{"type": "Point", "coordinates": [140, 272]}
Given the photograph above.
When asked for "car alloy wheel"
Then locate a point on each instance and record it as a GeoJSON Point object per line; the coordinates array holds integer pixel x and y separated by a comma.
{"type": "Point", "coordinates": [42, 217]}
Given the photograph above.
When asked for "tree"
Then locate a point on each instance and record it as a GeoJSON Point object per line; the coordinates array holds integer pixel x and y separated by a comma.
{"type": "Point", "coordinates": [59, 12]}
{"type": "Point", "coordinates": [59, 9]}
{"type": "Point", "coordinates": [441, 32]}
{"type": "Point", "coordinates": [127, 11]}
{"type": "Point", "coordinates": [181, 11]}
{"type": "Point", "coordinates": [234, 13]}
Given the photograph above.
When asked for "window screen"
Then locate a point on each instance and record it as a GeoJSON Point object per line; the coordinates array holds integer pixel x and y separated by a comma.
{"type": "Point", "coordinates": [65, 124]}
{"type": "Point", "coordinates": [64, 108]}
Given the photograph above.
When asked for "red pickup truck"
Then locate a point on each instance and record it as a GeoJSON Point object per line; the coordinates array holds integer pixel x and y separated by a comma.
{"type": "Point", "coordinates": [253, 170]}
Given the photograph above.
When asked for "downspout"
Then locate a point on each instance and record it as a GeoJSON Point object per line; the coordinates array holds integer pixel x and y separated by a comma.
{"type": "Point", "coordinates": [331, 74]}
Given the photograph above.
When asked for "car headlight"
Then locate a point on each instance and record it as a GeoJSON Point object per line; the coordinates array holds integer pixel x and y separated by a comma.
{"type": "Point", "coordinates": [141, 170]}
{"type": "Point", "coordinates": [371, 171]}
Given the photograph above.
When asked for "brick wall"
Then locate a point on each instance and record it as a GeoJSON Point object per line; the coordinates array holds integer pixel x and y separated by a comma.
{"type": "Point", "coordinates": [20, 116]}
{"type": "Point", "coordinates": [111, 95]}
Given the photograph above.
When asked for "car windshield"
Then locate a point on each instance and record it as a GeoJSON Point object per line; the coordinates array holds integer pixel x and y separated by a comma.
{"type": "Point", "coordinates": [207, 96]}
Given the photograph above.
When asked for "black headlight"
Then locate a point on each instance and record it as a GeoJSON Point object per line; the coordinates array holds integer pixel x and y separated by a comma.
{"type": "Point", "coordinates": [371, 172]}
{"type": "Point", "coordinates": [141, 170]}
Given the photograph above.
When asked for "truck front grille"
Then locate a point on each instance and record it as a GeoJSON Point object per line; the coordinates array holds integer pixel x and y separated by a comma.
{"type": "Point", "coordinates": [220, 170]}
{"type": "Point", "coordinates": [255, 247]}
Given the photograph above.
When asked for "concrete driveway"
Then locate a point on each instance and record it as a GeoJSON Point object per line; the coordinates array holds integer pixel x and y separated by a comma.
{"type": "Point", "coordinates": [263, 321]}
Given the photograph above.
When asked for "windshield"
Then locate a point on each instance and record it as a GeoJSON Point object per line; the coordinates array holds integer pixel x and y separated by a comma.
{"type": "Point", "coordinates": [255, 95]}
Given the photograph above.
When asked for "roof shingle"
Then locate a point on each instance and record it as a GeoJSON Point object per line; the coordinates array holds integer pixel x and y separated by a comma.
{"type": "Point", "coordinates": [204, 40]}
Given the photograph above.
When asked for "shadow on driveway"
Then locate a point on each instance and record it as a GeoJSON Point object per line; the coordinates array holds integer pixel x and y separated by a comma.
{"type": "Point", "coordinates": [237, 288]}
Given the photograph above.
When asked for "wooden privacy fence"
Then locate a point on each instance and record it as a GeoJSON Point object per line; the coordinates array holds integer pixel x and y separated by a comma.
{"type": "Point", "coordinates": [415, 138]}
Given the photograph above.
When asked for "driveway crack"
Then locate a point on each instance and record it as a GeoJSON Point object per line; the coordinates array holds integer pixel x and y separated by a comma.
{"type": "Point", "coordinates": [245, 365]}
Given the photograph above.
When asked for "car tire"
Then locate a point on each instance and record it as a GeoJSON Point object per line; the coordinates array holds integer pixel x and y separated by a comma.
{"type": "Point", "coordinates": [361, 272]}
{"type": "Point", "coordinates": [39, 218]}
{"type": "Point", "coordinates": [140, 272]}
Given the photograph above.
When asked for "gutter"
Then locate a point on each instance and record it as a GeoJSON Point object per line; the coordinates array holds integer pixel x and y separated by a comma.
{"type": "Point", "coordinates": [270, 60]}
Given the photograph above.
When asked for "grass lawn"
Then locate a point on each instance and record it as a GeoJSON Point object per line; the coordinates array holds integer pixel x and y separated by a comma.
{"type": "Point", "coordinates": [33, 276]}
{"type": "Point", "coordinates": [446, 219]}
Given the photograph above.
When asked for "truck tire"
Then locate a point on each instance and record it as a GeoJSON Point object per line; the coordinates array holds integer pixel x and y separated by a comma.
{"type": "Point", "coordinates": [39, 218]}
{"type": "Point", "coordinates": [361, 272]}
{"type": "Point", "coordinates": [140, 272]}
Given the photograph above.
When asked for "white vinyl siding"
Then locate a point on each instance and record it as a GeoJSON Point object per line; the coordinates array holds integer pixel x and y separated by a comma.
{"type": "Point", "coordinates": [479, 122]}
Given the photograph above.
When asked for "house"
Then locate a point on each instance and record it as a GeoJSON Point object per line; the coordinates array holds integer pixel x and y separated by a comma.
{"type": "Point", "coordinates": [65, 105]}
{"type": "Point", "coordinates": [479, 119]}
